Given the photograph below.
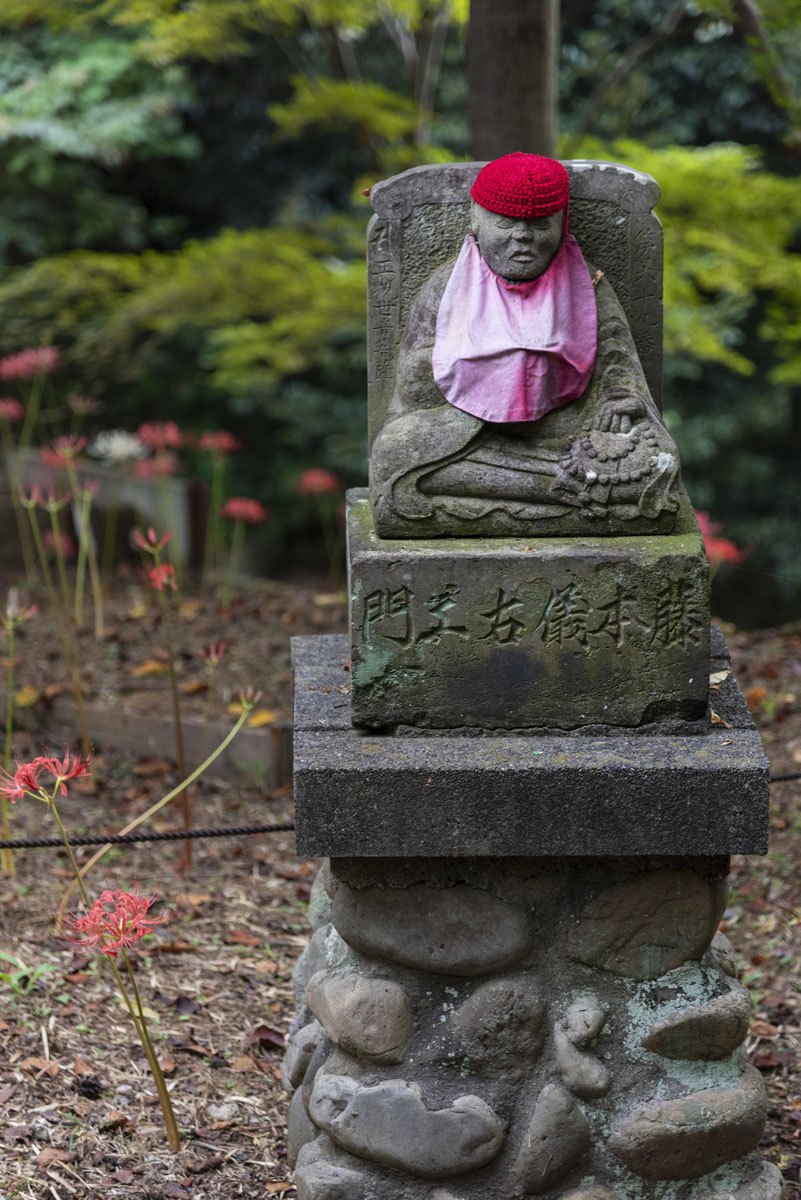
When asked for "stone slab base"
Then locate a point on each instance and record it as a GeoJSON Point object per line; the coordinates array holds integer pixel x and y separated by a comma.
{"type": "Point", "coordinates": [505, 633]}
{"type": "Point", "coordinates": [470, 1030]}
{"type": "Point", "coordinates": [676, 789]}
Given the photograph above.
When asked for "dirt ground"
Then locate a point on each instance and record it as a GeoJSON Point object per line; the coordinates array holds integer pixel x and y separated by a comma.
{"type": "Point", "coordinates": [78, 1111]}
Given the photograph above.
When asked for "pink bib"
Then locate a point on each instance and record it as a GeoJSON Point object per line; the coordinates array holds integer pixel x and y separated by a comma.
{"type": "Point", "coordinates": [513, 351]}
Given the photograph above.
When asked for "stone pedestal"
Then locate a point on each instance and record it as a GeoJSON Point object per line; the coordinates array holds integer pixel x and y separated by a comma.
{"type": "Point", "coordinates": [515, 986]}
{"type": "Point", "coordinates": [505, 633]}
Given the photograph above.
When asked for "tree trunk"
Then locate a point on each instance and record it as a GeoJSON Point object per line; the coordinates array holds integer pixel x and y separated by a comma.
{"type": "Point", "coordinates": [511, 76]}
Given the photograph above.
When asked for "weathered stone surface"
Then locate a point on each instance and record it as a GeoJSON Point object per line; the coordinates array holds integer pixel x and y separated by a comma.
{"type": "Point", "coordinates": [556, 1141]}
{"type": "Point", "coordinates": [453, 931]}
{"type": "Point", "coordinates": [318, 1150]}
{"type": "Point", "coordinates": [317, 1061]}
{"type": "Point", "coordinates": [765, 1182]}
{"type": "Point", "coordinates": [389, 1123]}
{"type": "Point", "coordinates": [703, 1032]}
{"type": "Point", "coordinates": [436, 470]}
{"type": "Point", "coordinates": [582, 1074]}
{"type": "Point", "coordinates": [302, 1045]}
{"type": "Point", "coordinates": [646, 927]}
{"type": "Point", "coordinates": [501, 1025]}
{"type": "Point", "coordinates": [300, 977]}
{"type": "Point", "coordinates": [324, 1181]}
{"type": "Point", "coordinates": [421, 216]}
{"type": "Point", "coordinates": [319, 902]}
{"type": "Point", "coordinates": [594, 1191]}
{"type": "Point", "coordinates": [369, 1018]}
{"type": "Point", "coordinates": [627, 794]}
{"type": "Point", "coordinates": [299, 1129]}
{"type": "Point", "coordinates": [584, 1020]}
{"type": "Point", "coordinates": [312, 959]}
{"type": "Point", "coordinates": [222, 1112]}
{"type": "Point", "coordinates": [437, 642]}
{"type": "Point", "coordinates": [723, 953]}
{"type": "Point", "coordinates": [690, 1136]}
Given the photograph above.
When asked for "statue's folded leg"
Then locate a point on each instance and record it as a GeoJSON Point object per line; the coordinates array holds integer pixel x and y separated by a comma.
{"type": "Point", "coordinates": [402, 452]}
{"type": "Point", "coordinates": [529, 482]}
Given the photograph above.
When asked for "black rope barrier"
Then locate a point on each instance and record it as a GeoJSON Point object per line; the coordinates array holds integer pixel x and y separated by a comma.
{"type": "Point", "coordinates": [121, 839]}
{"type": "Point", "coordinates": [180, 835]}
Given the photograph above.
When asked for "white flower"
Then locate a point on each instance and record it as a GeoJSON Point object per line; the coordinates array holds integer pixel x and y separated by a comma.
{"type": "Point", "coordinates": [115, 446]}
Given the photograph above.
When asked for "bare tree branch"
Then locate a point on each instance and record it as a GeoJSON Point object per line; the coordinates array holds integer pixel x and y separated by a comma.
{"type": "Point", "coordinates": [634, 55]}
{"type": "Point", "coordinates": [430, 47]}
{"type": "Point", "coordinates": [774, 73]}
{"type": "Point", "coordinates": [350, 67]}
{"type": "Point", "coordinates": [402, 37]}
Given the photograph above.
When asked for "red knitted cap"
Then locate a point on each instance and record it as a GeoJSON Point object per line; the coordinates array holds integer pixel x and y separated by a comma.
{"type": "Point", "coordinates": [522, 185]}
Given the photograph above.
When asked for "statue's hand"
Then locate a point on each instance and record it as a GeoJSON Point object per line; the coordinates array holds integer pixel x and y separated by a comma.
{"type": "Point", "coordinates": [619, 414]}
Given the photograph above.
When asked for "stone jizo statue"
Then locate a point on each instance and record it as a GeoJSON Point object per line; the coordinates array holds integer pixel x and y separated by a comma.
{"type": "Point", "coordinates": [516, 987]}
{"type": "Point", "coordinates": [520, 404]}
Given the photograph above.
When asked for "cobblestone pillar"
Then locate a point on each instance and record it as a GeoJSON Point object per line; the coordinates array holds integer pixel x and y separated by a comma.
{"type": "Point", "coordinates": [493, 1024]}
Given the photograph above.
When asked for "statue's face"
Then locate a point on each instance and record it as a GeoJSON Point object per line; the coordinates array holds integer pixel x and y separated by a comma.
{"type": "Point", "coordinates": [516, 248]}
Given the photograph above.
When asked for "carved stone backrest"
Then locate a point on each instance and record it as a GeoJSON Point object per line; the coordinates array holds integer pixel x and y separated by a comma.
{"type": "Point", "coordinates": [421, 220]}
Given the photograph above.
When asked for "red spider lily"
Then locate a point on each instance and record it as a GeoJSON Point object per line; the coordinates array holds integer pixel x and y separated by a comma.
{"type": "Point", "coordinates": [318, 482]}
{"type": "Point", "coordinates": [163, 465]}
{"type": "Point", "coordinates": [249, 697]}
{"type": "Point", "coordinates": [24, 781]}
{"type": "Point", "coordinates": [14, 615]}
{"type": "Point", "coordinates": [150, 543]}
{"type": "Point", "coordinates": [63, 450]}
{"type": "Point", "coordinates": [718, 549]}
{"type": "Point", "coordinates": [161, 435]}
{"type": "Point", "coordinates": [27, 364]}
{"type": "Point", "coordinates": [116, 921]}
{"type": "Point", "coordinates": [35, 498]}
{"type": "Point", "coordinates": [162, 577]}
{"type": "Point", "coordinates": [71, 766]}
{"type": "Point", "coordinates": [240, 508]}
{"type": "Point", "coordinates": [11, 409]}
{"type": "Point", "coordinates": [218, 441]}
{"type": "Point", "coordinates": [52, 458]}
{"type": "Point", "coordinates": [66, 543]}
{"type": "Point", "coordinates": [213, 653]}
{"type": "Point", "coordinates": [70, 445]}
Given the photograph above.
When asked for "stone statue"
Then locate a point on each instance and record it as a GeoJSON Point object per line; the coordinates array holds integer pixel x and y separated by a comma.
{"type": "Point", "coordinates": [520, 404]}
{"type": "Point", "coordinates": [516, 986]}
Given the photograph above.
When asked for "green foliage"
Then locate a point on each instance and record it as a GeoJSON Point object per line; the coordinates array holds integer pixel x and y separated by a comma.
{"type": "Point", "coordinates": [228, 288]}
{"type": "Point", "coordinates": [336, 105]}
{"type": "Point", "coordinates": [773, 33]}
{"type": "Point", "coordinates": [22, 980]}
{"type": "Point", "coordinates": [214, 29]}
{"type": "Point", "coordinates": [695, 84]}
{"type": "Point", "coordinates": [384, 122]}
{"type": "Point", "coordinates": [729, 228]}
{"type": "Point", "coordinates": [72, 112]}
{"type": "Point", "coordinates": [264, 304]}
{"type": "Point", "coordinates": [89, 100]}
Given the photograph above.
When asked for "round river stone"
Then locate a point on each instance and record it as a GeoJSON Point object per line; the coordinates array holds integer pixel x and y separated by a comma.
{"type": "Point", "coordinates": [451, 931]}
